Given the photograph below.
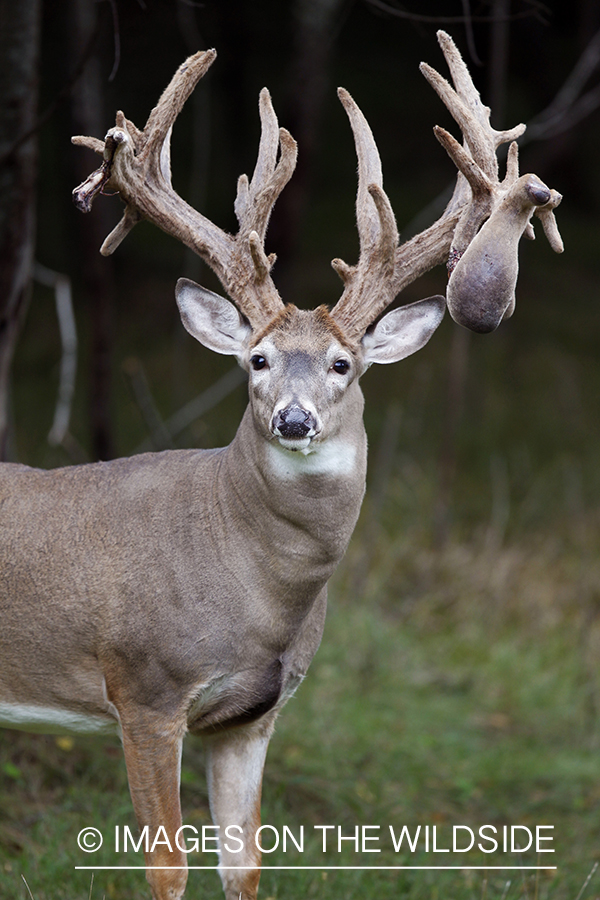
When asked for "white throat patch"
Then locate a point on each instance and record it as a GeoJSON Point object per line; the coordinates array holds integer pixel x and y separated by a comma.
{"type": "Point", "coordinates": [334, 457]}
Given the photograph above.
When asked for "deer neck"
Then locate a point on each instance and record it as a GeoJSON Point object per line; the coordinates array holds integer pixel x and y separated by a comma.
{"type": "Point", "coordinates": [298, 509]}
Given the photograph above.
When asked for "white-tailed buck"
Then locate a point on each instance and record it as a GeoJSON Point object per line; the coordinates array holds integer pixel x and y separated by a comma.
{"type": "Point", "coordinates": [185, 590]}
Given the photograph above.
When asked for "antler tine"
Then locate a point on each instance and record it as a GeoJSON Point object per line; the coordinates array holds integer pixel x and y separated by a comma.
{"type": "Point", "coordinates": [255, 199]}
{"type": "Point", "coordinates": [368, 285]}
{"type": "Point", "coordinates": [369, 172]}
{"type": "Point", "coordinates": [465, 105]}
{"type": "Point", "coordinates": [162, 118]}
{"type": "Point", "coordinates": [265, 161]}
{"type": "Point", "coordinates": [548, 220]}
{"type": "Point", "coordinates": [136, 164]}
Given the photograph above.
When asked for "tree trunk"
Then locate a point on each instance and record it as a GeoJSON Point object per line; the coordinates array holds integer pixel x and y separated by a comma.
{"type": "Point", "coordinates": [19, 56]}
{"type": "Point", "coordinates": [88, 117]}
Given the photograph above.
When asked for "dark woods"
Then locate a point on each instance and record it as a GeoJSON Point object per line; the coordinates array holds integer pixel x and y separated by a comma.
{"type": "Point", "coordinates": [79, 60]}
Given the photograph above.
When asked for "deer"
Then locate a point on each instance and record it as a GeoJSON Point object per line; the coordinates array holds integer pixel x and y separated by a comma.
{"type": "Point", "coordinates": [185, 590]}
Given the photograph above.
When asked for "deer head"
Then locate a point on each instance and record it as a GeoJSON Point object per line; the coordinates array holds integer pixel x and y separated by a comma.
{"type": "Point", "coordinates": [302, 364]}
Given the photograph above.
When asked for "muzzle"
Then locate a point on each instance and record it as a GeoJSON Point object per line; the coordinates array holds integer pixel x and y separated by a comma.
{"type": "Point", "coordinates": [293, 423]}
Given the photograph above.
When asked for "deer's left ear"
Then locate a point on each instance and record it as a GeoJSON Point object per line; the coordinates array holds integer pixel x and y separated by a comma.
{"type": "Point", "coordinates": [403, 331]}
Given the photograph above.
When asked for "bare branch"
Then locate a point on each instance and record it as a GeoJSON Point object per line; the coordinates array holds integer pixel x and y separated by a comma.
{"type": "Point", "coordinates": [62, 95]}
{"type": "Point", "coordinates": [568, 107]}
{"type": "Point", "coordinates": [61, 285]}
{"type": "Point", "coordinates": [537, 10]}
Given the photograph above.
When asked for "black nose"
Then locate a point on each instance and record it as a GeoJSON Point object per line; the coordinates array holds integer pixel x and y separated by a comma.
{"type": "Point", "coordinates": [293, 422]}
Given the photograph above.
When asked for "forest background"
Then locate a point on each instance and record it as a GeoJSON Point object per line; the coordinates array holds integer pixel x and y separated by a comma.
{"type": "Point", "coordinates": [458, 679]}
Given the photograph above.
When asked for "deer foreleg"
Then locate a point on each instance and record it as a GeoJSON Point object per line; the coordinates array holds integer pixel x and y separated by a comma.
{"type": "Point", "coordinates": [153, 759]}
{"type": "Point", "coordinates": [235, 767]}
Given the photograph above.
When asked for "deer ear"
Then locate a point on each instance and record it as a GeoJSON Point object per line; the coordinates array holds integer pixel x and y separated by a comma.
{"type": "Point", "coordinates": [211, 319]}
{"type": "Point", "coordinates": [403, 331]}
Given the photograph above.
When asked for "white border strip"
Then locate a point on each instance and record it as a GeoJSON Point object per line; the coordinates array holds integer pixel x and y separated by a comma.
{"type": "Point", "coordinates": [328, 868]}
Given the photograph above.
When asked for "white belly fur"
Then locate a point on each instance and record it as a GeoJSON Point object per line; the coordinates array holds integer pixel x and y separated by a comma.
{"type": "Point", "coordinates": [53, 720]}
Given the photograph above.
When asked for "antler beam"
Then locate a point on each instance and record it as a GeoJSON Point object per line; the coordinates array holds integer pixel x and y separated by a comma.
{"type": "Point", "coordinates": [137, 165]}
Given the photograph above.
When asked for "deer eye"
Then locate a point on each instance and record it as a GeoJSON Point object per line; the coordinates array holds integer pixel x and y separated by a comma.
{"type": "Point", "coordinates": [257, 362]}
{"type": "Point", "coordinates": [341, 366]}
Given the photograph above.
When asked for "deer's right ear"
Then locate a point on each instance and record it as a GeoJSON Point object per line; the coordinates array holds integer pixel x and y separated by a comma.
{"type": "Point", "coordinates": [211, 319]}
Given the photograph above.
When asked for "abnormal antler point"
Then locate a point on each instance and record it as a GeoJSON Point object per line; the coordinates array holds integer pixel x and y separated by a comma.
{"type": "Point", "coordinates": [91, 143]}
{"type": "Point", "coordinates": [342, 269]}
{"type": "Point", "coordinates": [538, 193]}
